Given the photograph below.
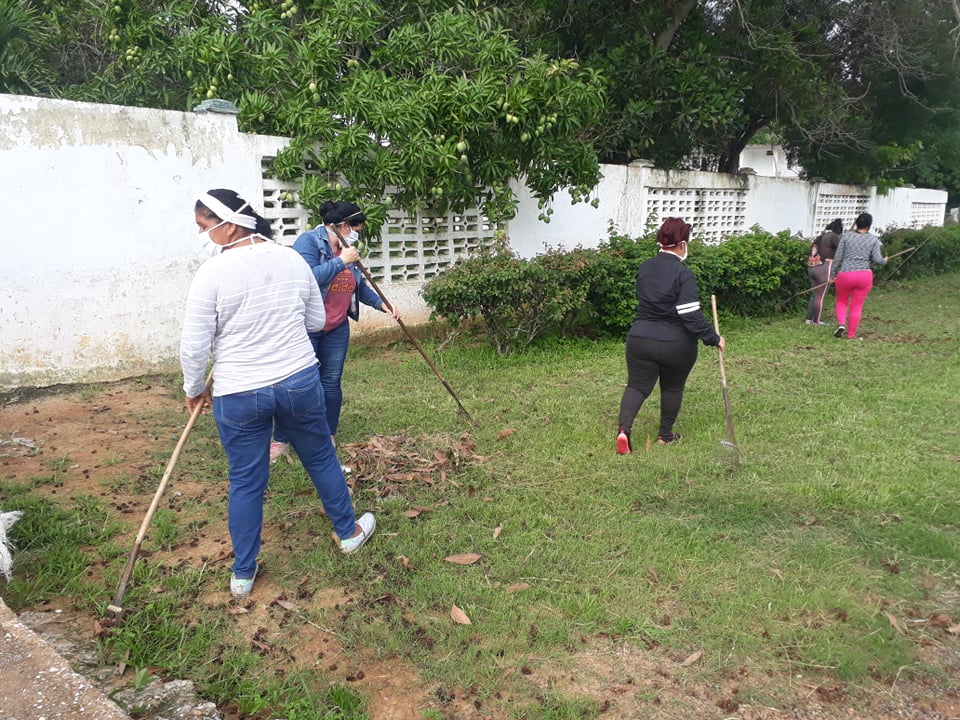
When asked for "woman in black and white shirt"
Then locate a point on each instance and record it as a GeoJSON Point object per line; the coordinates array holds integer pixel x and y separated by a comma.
{"type": "Point", "coordinates": [662, 342]}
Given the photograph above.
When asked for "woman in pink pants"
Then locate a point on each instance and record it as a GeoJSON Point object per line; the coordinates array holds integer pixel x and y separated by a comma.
{"type": "Point", "coordinates": [852, 274]}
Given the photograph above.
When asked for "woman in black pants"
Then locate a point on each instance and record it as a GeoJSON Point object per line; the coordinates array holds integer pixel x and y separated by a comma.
{"type": "Point", "coordinates": [662, 342]}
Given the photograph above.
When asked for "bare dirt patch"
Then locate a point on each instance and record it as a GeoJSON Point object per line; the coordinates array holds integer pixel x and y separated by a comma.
{"type": "Point", "coordinates": [94, 443]}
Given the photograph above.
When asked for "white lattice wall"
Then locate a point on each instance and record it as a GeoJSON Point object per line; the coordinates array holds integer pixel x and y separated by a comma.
{"type": "Point", "coordinates": [923, 214]}
{"type": "Point", "coordinates": [411, 249]}
{"type": "Point", "coordinates": [715, 213]}
{"type": "Point", "coordinates": [288, 219]}
{"type": "Point", "coordinates": [829, 207]}
{"type": "Point", "coordinates": [416, 248]}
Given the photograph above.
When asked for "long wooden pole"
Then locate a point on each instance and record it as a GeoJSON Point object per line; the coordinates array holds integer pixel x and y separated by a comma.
{"type": "Point", "coordinates": [817, 287]}
{"type": "Point", "coordinates": [406, 331]}
{"type": "Point", "coordinates": [117, 606]}
{"type": "Point", "coordinates": [731, 439]}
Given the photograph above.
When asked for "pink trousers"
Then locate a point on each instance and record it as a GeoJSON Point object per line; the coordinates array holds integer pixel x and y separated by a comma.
{"type": "Point", "coordinates": [852, 289]}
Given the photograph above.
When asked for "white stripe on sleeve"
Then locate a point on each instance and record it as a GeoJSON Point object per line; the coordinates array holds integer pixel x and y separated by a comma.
{"type": "Point", "coordinates": [688, 308]}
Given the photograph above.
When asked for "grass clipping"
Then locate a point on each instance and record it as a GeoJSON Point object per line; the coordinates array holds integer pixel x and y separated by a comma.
{"type": "Point", "coordinates": [387, 463]}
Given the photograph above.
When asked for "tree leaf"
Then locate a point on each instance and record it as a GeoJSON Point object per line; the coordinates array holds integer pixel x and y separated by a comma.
{"type": "Point", "coordinates": [496, 531]}
{"type": "Point", "coordinates": [464, 559]}
{"type": "Point", "coordinates": [459, 616]}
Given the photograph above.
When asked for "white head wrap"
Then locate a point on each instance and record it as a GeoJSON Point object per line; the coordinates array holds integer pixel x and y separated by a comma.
{"type": "Point", "coordinates": [226, 214]}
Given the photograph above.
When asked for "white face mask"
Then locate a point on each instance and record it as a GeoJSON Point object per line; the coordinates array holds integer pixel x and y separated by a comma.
{"type": "Point", "coordinates": [211, 248]}
{"type": "Point", "coordinates": [208, 247]}
{"type": "Point", "coordinates": [686, 251]}
{"type": "Point", "coordinates": [352, 237]}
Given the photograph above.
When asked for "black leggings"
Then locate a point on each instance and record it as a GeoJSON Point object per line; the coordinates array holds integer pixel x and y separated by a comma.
{"type": "Point", "coordinates": [650, 360]}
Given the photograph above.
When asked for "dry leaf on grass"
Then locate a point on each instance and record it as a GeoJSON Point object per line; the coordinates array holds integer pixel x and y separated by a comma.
{"type": "Point", "coordinates": [516, 587]}
{"type": "Point", "coordinates": [459, 616]}
{"type": "Point", "coordinates": [954, 629]}
{"type": "Point", "coordinates": [496, 531]}
{"type": "Point", "coordinates": [464, 559]}
{"type": "Point", "coordinates": [385, 463]}
{"type": "Point", "coordinates": [237, 610]}
{"type": "Point", "coordinates": [285, 604]}
{"type": "Point", "coordinates": [894, 623]}
{"type": "Point", "coordinates": [404, 560]}
{"type": "Point", "coordinates": [504, 434]}
{"type": "Point", "coordinates": [692, 659]}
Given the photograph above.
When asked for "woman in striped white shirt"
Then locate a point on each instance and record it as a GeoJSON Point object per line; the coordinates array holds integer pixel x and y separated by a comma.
{"type": "Point", "coordinates": [852, 274]}
{"type": "Point", "coordinates": [253, 302]}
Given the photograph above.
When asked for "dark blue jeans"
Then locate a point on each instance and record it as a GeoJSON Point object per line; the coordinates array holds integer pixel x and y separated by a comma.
{"type": "Point", "coordinates": [245, 421]}
{"type": "Point", "coordinates": [331, 350]}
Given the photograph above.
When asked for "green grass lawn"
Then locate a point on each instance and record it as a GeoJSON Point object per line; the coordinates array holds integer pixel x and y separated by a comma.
{"type": "Point", "coordinates": [826, 549]}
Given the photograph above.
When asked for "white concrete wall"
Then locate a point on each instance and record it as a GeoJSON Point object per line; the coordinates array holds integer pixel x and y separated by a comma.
{"type": "Point", "coordinates": [768, 161]}
{"type": "Point", "coordinates": [630, 195]}
{"type": "Point", "coordinates": [98, 243]}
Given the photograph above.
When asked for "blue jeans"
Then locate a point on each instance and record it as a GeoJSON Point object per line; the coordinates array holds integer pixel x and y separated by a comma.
{"type": "Point", "coordinates": [331, 350]}
{"type": "Point", "coordinates": [245, 421]}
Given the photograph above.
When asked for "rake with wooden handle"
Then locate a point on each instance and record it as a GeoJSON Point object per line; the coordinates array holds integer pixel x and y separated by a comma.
{"type": "Point", "coordinates": [730, 440]}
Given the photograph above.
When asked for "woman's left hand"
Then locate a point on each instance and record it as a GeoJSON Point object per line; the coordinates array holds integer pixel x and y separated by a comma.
{"type": "Point", "coordinates": [391, 311]}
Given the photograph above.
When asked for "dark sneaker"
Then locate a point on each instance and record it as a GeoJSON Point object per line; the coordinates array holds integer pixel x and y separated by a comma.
{"type": "Point", "coordinates": [841, 329]}
{"type": "Point", "coordinates": [623, 443]}
{"type": "Point", "coordinates": [668, 439]}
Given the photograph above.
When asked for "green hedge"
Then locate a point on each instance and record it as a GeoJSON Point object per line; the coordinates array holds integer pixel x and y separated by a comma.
{"type": "Point", "coordinates": [593, 292]}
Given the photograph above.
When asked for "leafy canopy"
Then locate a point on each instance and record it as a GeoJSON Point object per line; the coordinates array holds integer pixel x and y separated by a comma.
{"type": "Point", "coordinates": [439, 107]}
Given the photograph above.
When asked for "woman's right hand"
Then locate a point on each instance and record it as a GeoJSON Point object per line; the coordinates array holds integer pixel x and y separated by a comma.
{"type": "Point", "coordinates": [349, 255]}
{"type": "Point", "coordinates": [723, 343]}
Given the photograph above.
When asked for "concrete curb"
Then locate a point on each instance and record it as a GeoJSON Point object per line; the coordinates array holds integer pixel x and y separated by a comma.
{"type": "Point", "coordinates": [36, 682]}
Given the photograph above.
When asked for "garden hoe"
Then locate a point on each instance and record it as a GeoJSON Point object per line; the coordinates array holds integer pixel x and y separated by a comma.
{"type": "Point", "coordinates": [117, 607]}
{"type": "Point", "coordinates": [410, 337]}
{"type": "Point", "coordinates": [730, 441]}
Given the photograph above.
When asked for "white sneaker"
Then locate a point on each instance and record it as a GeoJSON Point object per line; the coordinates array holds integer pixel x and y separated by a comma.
{"type": "Point", "coordinates": [242, 587]}
{"type": "Point", "coordinates": [367, 523]}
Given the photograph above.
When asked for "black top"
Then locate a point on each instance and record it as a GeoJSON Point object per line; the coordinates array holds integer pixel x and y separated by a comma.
{"type": "Point", "coordinates": [827, 244]}
{"type": "Point", "coordinates": [668, 303]}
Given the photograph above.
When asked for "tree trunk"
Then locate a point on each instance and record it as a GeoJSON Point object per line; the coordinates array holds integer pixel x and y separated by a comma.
{"type": "Point", "coordinates": [681, 9]}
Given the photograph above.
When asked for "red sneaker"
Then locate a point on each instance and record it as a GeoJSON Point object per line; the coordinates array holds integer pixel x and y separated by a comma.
{"type": "Point", "coordinates": [623, 443]}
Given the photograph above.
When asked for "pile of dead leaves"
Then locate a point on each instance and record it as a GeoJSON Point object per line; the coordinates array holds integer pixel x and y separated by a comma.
{"type": "Point", "coordinates": [385, 463]}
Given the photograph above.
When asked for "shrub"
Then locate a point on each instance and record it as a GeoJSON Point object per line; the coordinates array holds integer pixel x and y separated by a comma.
{"type": "Point", "coordinates": [937, 251]}
{"type": "Point", "coordinates": [594, 291]}
{"type": "Point", "coordinates": [515, 300]}
{"type": "Point", "coordinates": [750, 274]}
